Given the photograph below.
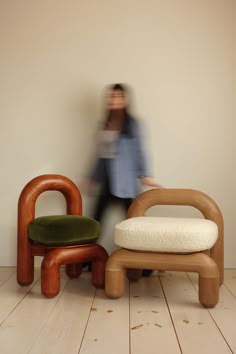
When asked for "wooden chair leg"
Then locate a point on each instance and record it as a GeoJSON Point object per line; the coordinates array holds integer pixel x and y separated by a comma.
{"type": "Point", "coordinates": [50, 268]}
{"type": "Point", "coordinates": [50, 274]}
{"type": "Point", "coordinates": [115, 282]}
{"type": "Point", "coordinates": [25, 268]}
{"type": "Point", "coordinates": [98, 267]}
{"type": "Point", "coordinates": [208, 291]}
{"type": "Point", "coordinates": [74, 270]}
{"type": "Point", "coordinates": [199, 263]}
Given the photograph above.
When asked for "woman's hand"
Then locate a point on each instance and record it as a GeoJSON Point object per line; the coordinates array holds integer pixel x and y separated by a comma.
{"type": "Point", "coordinates": [149, 182]}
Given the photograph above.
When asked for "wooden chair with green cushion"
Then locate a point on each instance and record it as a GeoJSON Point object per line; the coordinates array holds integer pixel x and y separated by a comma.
{"type": "Point", "coordinates": [61, 239]}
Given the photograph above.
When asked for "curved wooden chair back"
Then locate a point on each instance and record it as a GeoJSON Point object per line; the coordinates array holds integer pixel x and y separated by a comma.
{"type": "Point", "coordinates": [26, 213]}
{"type": "Point", "coordinates": [186, 197]}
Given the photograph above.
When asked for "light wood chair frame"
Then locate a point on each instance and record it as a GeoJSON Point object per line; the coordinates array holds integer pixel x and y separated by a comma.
{"type": "Point", "coordinates": [54, 257]}
{"type": "Point", "coordinates": [208, 264]}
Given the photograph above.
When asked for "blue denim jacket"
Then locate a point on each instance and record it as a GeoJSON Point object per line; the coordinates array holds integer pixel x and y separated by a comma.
{"type": "Point", "coordinates": [128, 165]}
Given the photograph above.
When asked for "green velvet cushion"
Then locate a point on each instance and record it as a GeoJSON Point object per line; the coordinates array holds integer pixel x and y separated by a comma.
{"type": "Point", "coordinates": [63, 230]}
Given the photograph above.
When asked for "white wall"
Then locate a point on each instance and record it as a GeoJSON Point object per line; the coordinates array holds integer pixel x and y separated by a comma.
{"type": "Point", "coordinates": [56, 57]}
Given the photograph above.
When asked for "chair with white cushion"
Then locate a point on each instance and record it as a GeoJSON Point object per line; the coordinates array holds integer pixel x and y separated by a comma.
{"type": "Point", "coordinates": [175, 244]}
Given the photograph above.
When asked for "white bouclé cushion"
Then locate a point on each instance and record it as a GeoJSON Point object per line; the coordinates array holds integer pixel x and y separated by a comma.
{"type": "Point", "coordinates": [162, 234]}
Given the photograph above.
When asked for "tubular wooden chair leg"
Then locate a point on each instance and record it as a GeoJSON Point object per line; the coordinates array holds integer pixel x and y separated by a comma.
{"type": "Point", "coordinates": [50, 269]}
{"type": "Point", "coordinates": [208, 291]}
{"type": "Point", "coordinates": [200, 263]}
{"type": "Point", "coordinates": [98, 268]}
{"type": "Point", "coordinates": [73, 270]}
{"type": "Point", "coordinates": [25, 268]}
{"type": "Point", "coordinates": [209, 282]}
{"type": "Point", "coordinates": [115, 282]}
{"type": "Point", "coordinates": [50, 274]}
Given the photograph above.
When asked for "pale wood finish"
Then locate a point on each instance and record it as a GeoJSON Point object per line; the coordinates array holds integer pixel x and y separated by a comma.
{"type": "Point", "coordinates": [209, 265]}
{"type": "Point", "coordinates": [108, 326]}
{"type": "Point", "coordinates": [54, 257]}
{"type": "Point", "coordinates": [230, 281]}
{"type": "Point", "coordinates": [6, 273]}
{"type": "Point", "coordinates": [186, 197]}
{"type": "Point", "coordinates": [69, 322]}
{"type": "Point", "coordinates": [199, 262]}
{"type": "Point", "coordinates": [224, 314]}
{"type": "Point", "coordinates": [26, 321]}
{"type": "Point", "coordinates": [194, 326]}
{"type": "Point", "coordinates": [150, 322]}
{"type": "Point", "coordinates": [11, 294]}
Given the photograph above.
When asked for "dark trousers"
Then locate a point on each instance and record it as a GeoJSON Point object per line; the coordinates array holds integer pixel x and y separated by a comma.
{"type": "Point", "coordinates": [104, 200]}
{"type": "Point", "coordinates": [107, 199]}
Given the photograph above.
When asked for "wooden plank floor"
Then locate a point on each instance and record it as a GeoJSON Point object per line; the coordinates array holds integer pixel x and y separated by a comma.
{"type": "Point", "coordinates": [160, 314]}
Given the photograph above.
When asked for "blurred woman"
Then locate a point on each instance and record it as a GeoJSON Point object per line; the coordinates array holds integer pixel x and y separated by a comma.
{"type": "Point", "coordinates": [120, 158]}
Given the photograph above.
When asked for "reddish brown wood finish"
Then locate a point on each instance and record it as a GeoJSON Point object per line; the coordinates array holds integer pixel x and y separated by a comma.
{"type": "Point", "coordinates": [50, 284]}
{"type": "Point", "coordinates": [74, 270]}
{"type": "Point", "coordinates": [26, 251]}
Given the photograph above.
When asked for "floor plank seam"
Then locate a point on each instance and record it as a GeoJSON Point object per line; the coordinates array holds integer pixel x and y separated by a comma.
{"type": "Point", "coordinates": [209, 311]}
{"type": "Point", "coordinates": [43, 324]}
{"type": "Point", "coordinates": [19, 302]}
{"type": "Point", "coordinates": [229, 290]}
{"type": "Point", "coordinates": [16, 317]}
{"type": "Point", "coordinates": [170, 314]}
{"type": "Point", "coordinates": [85, 328]}
{"type": "Point", "coordinates": [129, 321]}
{"type": "Point", "coordinates": [14, 275]}
{"type": "Point", "coordinates": [220, 332]}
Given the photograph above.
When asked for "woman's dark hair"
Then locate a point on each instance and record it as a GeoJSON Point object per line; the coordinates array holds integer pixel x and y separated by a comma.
{"type": "Point", "coordinates": [118, 87]}
{"type": "Point", "coordinates": [126, 128]}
